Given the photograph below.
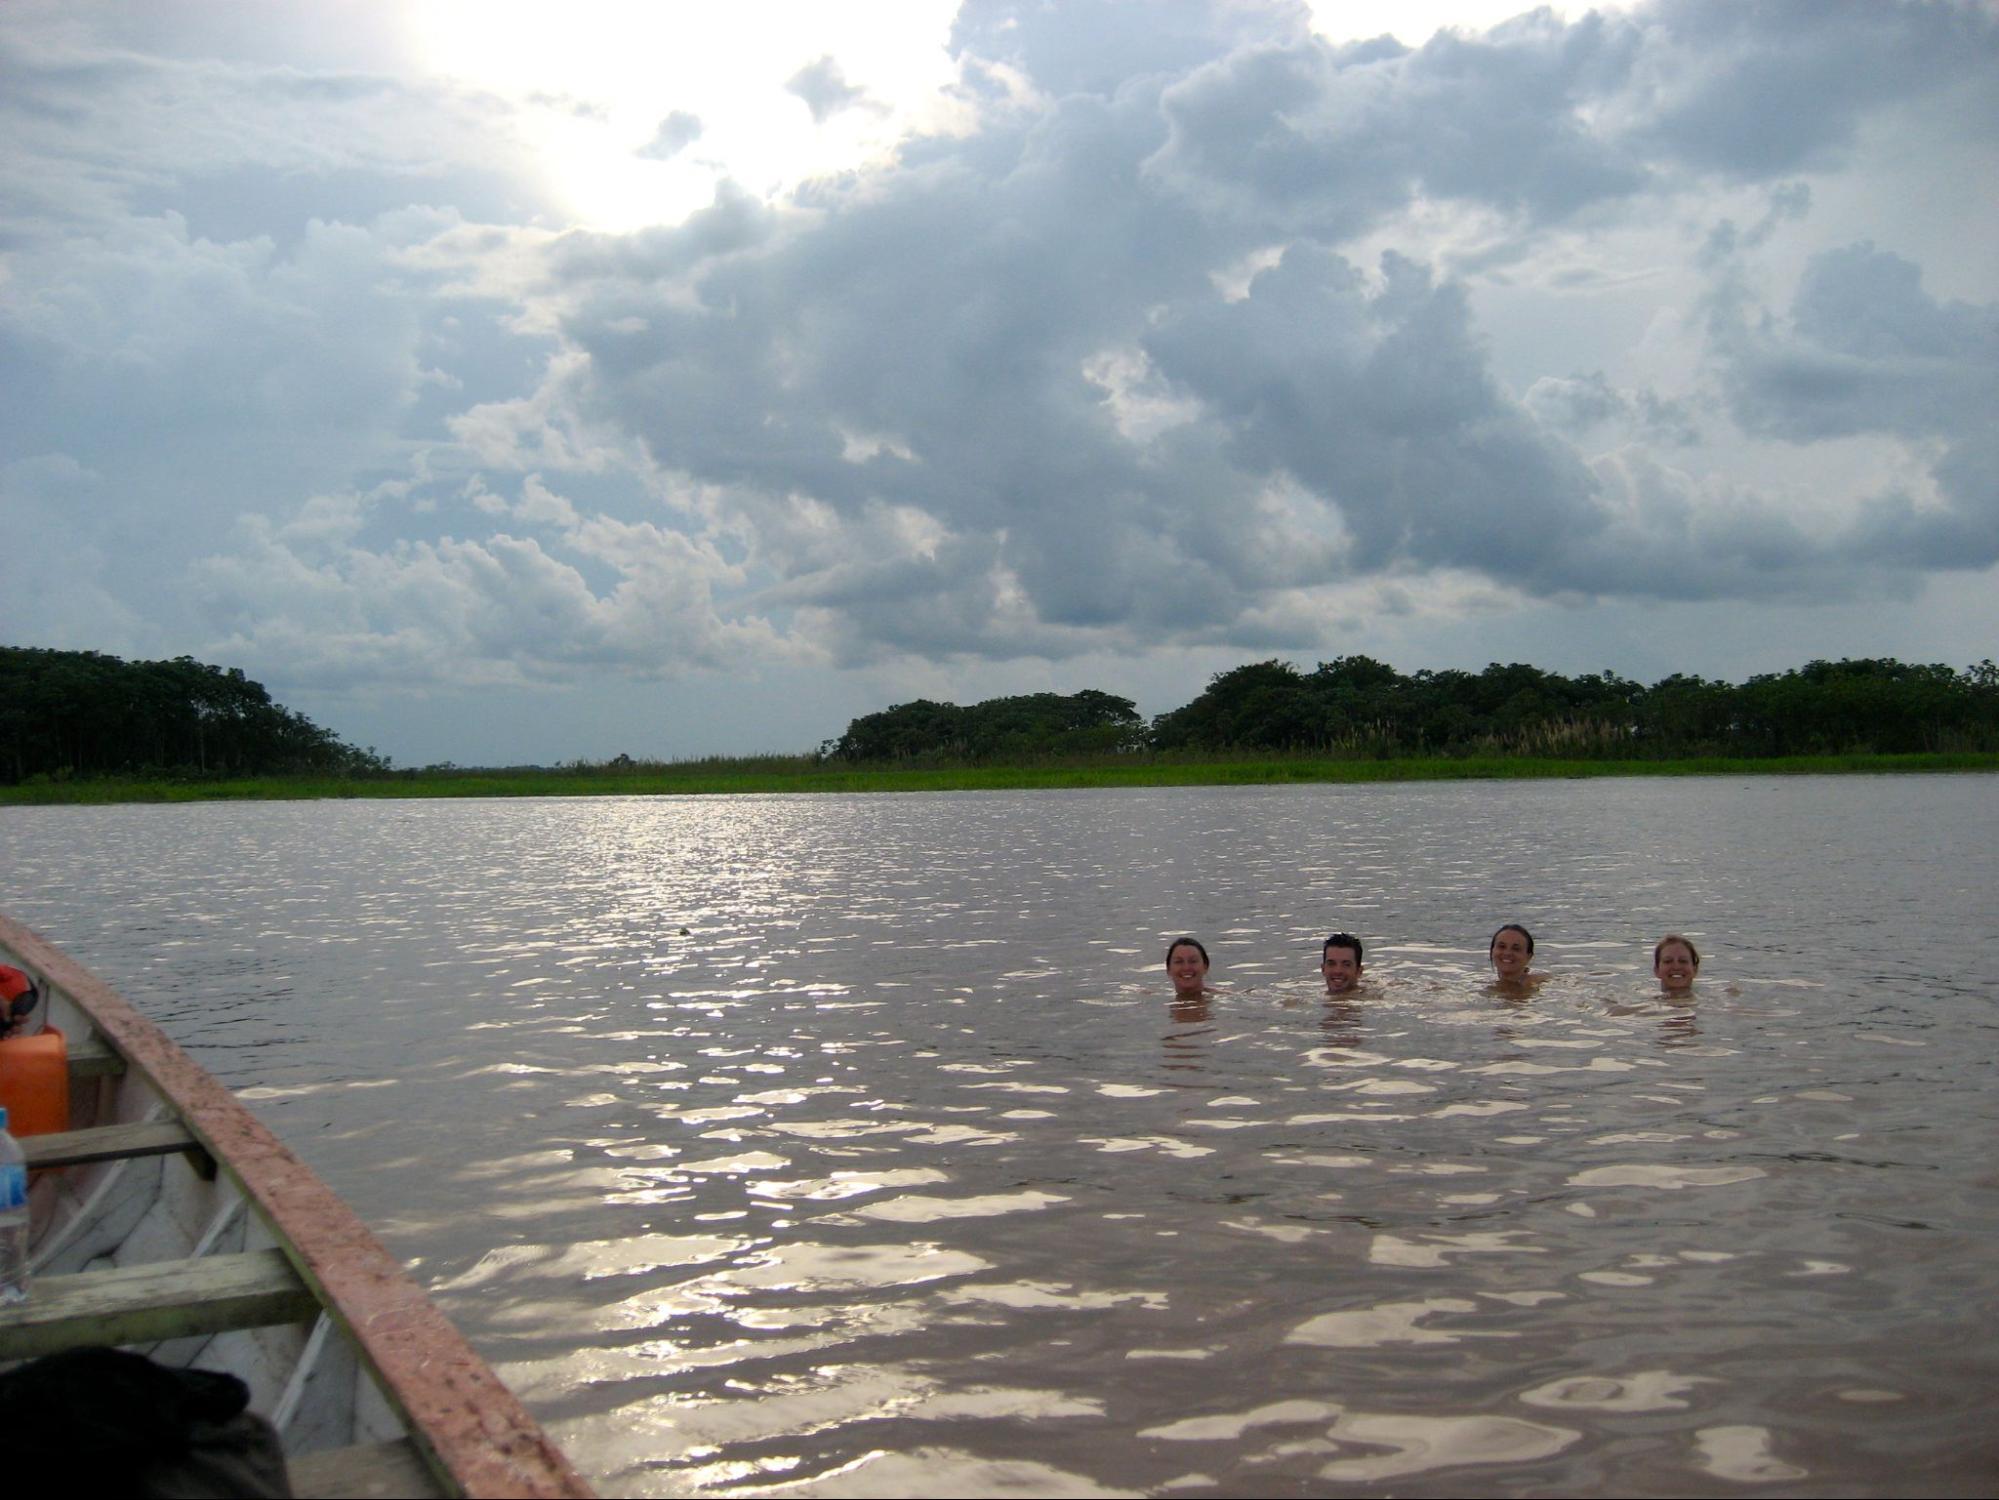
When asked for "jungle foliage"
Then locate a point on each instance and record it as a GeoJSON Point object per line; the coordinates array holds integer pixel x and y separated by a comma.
{"type": "Point", "coordinates": [74, 717]}
{"type": "Point", "coordinates": [1034, 724]}
{"type": "Point", "coordinates": [81, 713]}
{"type": "Point", "coordinates": [1358, 707]}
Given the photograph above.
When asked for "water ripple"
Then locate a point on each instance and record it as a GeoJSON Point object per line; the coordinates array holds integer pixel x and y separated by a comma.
{"type": "Point", "coordinates": [852, 1146]}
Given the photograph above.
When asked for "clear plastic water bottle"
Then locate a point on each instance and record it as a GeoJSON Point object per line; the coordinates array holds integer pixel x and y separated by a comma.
{"type": "Point", "coordinates": [13, 1218]}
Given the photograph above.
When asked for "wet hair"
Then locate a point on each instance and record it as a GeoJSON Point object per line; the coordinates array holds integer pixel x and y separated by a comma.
{"type": "Point", "coordinates": [1341, 940]}
{"type": "Point", "coordinates": [1514, 927]}
{"type": "Point", "coordinates": [1674, 937]}
{"type": "Point", "coordinates": [1187, 942]}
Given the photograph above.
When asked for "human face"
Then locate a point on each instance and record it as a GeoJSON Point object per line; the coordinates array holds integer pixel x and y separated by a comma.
{"type": "Point", "coordinates": [1510, 955]}
{"type": "Point", "coordinates": [1676, 967]}
{"type": "Point", "coordinates": [1186, 968]}
{"type": "Point", "coordinates": [1341, 970]}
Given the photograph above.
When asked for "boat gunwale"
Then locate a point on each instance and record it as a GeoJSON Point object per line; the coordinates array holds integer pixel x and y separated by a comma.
{"type": "Point", "coordinates": [474, 1431]}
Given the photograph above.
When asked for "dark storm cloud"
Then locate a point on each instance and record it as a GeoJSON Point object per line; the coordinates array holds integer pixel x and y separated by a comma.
{"type": "Point", "coordinates": [1866, 350]}
{"type": "Point", "coordinates": [1870, 350]}
{"type": "Point", "coordinates": [1019, 337]}
{"type": "Point", "coordinates": [963, 316]}
{"type": "Point", "coordinates": [1548, 119]}
{"type": "Point", "coordinates": [1381, 401]}
{"type": "Point", "coordinates": [1762, 89]}
{"type": "Point", "coordinates": [1310, 136]}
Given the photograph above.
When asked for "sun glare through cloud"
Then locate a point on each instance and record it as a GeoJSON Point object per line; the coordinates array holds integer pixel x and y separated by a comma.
{"type": "Point", "coordinates": [634, 112]}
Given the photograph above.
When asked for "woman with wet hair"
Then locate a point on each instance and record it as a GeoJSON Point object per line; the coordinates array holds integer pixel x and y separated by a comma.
{"type": "Point", "coordinates": [1187, 967]}
{"type": "Point", "coordinates": [1675, 963]}
{"type": "Point", "coordinates": [1191, 1011]}
{"type": "Point", "coordinates": [1512, 954]}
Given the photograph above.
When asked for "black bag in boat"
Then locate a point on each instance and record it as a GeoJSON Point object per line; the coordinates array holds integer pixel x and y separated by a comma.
{"type": "Point", "coordinates": [105, 1421]}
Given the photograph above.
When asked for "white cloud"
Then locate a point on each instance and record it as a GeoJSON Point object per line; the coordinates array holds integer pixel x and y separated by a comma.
{"type": "Point", "coordinates": [824, 88]}
{"type": "Point", "coordinates": [502, 608]}
{"type": "Point", "coordinates": [679, 130]}
{"type": "Point", "coordinates": [1173, 329]}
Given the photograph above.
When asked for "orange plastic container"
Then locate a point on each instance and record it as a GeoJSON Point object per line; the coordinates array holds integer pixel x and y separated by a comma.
{"type": "Point", "coordinates": [34, 1082]}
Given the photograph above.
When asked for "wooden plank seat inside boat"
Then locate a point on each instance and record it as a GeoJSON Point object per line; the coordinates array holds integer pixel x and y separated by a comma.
{"type": "Point", "coordinates": [75, 1148]}
{"type": "Point", "coordinates": [164, 1300]}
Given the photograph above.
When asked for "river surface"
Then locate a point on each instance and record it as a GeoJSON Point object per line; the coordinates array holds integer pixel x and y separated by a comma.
{"type": "Point", "coordinates": [853, 1146]}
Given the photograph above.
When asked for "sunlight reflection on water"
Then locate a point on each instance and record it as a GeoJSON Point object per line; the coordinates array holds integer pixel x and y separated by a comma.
{"type": "Point", "coordinates": [851, 1145]}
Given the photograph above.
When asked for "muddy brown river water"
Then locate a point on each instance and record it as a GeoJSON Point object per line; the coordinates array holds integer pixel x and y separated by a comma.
{"type": "Point", "coordinates": [853, 1145]}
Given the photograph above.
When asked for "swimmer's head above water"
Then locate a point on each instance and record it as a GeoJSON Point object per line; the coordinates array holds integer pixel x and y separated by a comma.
{"type": "Point", "coordinates": [1512, 952]}
{"type": "Point", "coordinates": [1339, 963]}
{"type": "Point", "coordinates": [1675, 961]}
{"type": "Point", "coordinates": [1187, 965]}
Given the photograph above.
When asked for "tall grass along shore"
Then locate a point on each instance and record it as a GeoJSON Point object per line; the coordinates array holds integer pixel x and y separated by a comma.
{"type": "Point", "coordinates": [807, 773]}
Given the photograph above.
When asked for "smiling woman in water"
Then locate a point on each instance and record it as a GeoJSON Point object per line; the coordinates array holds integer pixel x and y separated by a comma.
{"type": "Point", "coordinates": [1675, 961]}
{"type": "Point", "coordinates": [1512, 953]}
{"type": "Point", "coordinates": [1187, 967]}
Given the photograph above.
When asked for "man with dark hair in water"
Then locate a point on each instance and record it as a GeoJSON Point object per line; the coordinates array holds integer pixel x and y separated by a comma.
{"type": "Point", "coordinates": [1339, 963]}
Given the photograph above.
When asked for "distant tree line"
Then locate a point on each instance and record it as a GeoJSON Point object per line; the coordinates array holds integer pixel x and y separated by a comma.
{"type": "Point", "coordinates": [1356, 706]}
{"type": "Point", "coordinates": [81, 713]}
{"type": "Point", "coordinates": [1082, 723]}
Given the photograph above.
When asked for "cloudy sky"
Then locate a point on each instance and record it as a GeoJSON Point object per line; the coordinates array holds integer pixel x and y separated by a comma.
{"type": "Point", "coordinates": [518, 382]}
